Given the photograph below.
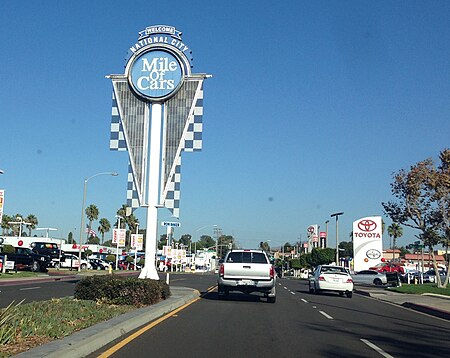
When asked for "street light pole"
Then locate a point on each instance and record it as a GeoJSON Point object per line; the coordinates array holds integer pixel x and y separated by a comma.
{"type": "Point", "coordinates": [337, 235]}
{"type": "Point", "coordinates": [326, 232]}
{"type": "Point", "coordinates": [82, 211]}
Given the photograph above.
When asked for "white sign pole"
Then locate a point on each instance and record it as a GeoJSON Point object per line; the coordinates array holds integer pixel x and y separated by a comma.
{"type": "Point", "coordinates": [149, 269]}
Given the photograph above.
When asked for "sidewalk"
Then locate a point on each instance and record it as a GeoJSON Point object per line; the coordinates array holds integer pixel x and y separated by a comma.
{"type": "Point", "coordinates": [435, 305]}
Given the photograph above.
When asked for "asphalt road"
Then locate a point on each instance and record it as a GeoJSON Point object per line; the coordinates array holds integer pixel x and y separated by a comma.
{"type": "Point", "coordinates": [298, 324]}
{"type": "Point", "coordinates": [35, 291]}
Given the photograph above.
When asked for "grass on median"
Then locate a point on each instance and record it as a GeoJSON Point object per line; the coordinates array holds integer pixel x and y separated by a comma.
{"type": "Point", "coordinates": [421, 289]}
{"type": "Point", "coordinates": [40, 322]}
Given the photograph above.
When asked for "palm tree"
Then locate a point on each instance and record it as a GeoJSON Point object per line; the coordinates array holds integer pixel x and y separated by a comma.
{"type": "Point", "coordinates": [104, 226]}
{"type": "Point", "coordinates": [32, 219]}
{"type": "Point", "coordinates": [92, 214]}
{"type": "Point", "coordinates": [5, 224]}
{"type": "Point", "coordinates": [395, 231]}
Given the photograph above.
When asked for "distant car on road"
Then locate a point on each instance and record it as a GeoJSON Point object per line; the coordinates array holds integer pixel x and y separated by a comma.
{"type": "Point", "coordinates": [370, 277]}
{"type": "Point", "coordinates": [331, 278]}
{"type": "Point", "coordinates": [71, 261]}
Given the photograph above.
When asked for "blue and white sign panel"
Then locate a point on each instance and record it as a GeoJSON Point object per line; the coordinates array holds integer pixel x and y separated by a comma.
{"type": "Point", "coordinates": [156, 74]}
{"type": "Point", "coordinates": [171, 223]}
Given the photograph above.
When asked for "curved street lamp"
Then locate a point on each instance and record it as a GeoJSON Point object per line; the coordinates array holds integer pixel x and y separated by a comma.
{"type": "Point", "coordinates": [82, 210]}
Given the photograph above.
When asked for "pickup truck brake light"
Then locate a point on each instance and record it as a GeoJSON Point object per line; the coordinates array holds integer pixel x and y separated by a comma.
{"type": "Point", "coordinates": [221, 270]}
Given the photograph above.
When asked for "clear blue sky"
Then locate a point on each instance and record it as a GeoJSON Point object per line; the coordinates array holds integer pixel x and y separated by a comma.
{"type": "Point", "coordinates": [311, 108]}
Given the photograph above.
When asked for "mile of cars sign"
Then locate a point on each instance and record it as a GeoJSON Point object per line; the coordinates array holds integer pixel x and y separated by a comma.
{"type": "Point", "coordinates": [156, 115]}
{"type": "Point", "coordinates": [367, 242]}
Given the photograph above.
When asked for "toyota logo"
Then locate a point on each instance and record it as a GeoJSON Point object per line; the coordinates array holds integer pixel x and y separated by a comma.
{"type": "Point", "coordinates": [367, 225]}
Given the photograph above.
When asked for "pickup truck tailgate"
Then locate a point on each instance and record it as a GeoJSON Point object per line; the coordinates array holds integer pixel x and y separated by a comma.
{"type": "Point", "coordinates": [249, 271]}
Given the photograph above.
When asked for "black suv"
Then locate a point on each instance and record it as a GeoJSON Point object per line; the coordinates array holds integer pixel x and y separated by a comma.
{"type": "Point", "coordinates": [46, 248]}
{"type": "Point", "coordinates": [24, 258]}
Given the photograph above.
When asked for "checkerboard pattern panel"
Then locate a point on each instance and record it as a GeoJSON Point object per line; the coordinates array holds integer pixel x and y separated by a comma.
{"type": "Point", "coordinates": [117, 138]}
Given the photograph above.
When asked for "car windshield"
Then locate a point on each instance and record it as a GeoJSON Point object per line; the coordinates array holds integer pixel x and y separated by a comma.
{"type": "Point", "coordinates": [333, 269]}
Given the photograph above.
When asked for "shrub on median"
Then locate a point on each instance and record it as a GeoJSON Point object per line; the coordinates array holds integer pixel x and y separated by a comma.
{"type": "Point", "coordinates": [117, 290]}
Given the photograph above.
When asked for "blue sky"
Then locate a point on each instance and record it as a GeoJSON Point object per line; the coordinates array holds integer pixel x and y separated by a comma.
{"type": "Point", "coordinates": [311, 108]}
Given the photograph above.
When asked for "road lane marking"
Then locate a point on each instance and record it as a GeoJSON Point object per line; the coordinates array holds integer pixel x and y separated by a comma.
{"type": "Point", "coordinates": [302, 299]}
{"type": "Point", "coordinates": [285, 287]}
{"type": "Point", "coordinates": [376, 348]}
{"type": "Point", "coordinates": [29, 288]}
{"type": "Point", "coordinates": [326, 315]}
{"type": "Point", "coordinates": [135, 335]}
{"type": "Point", "coordinates": [292, 292]}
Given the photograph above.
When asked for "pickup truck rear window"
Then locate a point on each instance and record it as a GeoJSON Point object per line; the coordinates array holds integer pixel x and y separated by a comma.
{"type": "Point", "coordinates": [247, 257]}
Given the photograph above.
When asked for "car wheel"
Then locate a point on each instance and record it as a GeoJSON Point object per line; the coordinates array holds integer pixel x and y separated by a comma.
{"type": "Point", "coordinates": [83, 266]}
{"type": "Point", "coordinates": [377, 282]}
{"type": "Point", "coordinates": [35, 266]}
{"type": "Point", "coordinates": [349, 294]}
{"type": "Point", "coordinates": [311, 289]}
{"type": "Point", "coordinates": [271, 299]}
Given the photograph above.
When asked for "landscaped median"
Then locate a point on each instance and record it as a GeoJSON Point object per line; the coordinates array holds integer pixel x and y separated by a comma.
{"type": "Point", "coordinates": [96, 299]}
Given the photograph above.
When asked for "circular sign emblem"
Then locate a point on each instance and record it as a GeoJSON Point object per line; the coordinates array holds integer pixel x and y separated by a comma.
{"type": "Point", "coordinates": [373, 254]}
{"type": "Point", "coordinates": [367, 225]}
{"type": "Point", "coordinates": [156, 74]}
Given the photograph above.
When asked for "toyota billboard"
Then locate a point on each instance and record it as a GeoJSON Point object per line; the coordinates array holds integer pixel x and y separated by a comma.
{"type": "Point", "coordinates": [367, 242]}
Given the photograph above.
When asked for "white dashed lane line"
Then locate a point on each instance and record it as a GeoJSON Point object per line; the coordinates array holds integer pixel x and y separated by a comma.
{"type": "Point", "coordinates": [29, 288]}
{"type": "Point", "coordinates": [325, 314]}
{"type": "Point", "coordinates": [376, 348]}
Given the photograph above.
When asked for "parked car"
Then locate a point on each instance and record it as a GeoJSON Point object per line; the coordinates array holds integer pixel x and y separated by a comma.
{"type": "Point", "coordinates": [72, 261]}
{"type": "Point", "coordinates": [370, 277]}
{"type": "Point", "coordinates": [430, 275]}
{"type": "Point", "coordinates": [388, 267]}
{"type": "Point", "coordinates": [331, 278]}
{"type": "Point", "coordinates": [25, 259]}
{"type": "Point", "coordinates": [46, 248]}
{"type": "Point", "coordinates": [98, 264]}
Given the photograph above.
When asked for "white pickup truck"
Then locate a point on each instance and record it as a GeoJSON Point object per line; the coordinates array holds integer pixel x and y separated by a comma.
{"type": "Point", "coordinates": [247, 271]}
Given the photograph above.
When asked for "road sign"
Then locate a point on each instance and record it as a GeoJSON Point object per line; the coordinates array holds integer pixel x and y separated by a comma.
{"type": "Point", "coordinates": [171, 223]}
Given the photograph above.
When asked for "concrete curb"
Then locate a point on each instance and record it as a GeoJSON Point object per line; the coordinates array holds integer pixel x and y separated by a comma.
{"type": "Point", "coordinates": [432, 311]}
{"type": "Point", "coordinates": [89, 340]}
{"type": "Point", "coordinates": [428, 310]}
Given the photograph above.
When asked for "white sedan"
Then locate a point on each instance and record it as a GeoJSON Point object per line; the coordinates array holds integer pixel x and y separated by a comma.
{"type": "Point", "coordinates": [331, 278]}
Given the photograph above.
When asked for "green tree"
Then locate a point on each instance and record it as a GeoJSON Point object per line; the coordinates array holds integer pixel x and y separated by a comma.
{"type": "Point", "coordinates": [347, 247]}
{"type": "Point", "coordinates": [322, 256]}
{"type": "Point", "coordinates": [395, 231]}
{"type": "Point", "coordinates": [33, 221]}
{"type": "Point", "coordinates": [422, 202]}
{"type": "Point", "coordinates": [185, 240]}
{"type": "Point", "coordinates": [92, 214]}
{"type": "Point", "coordinates": [264, 246]}
{"type": "Point", "coordinates": [104, 227]}
{"type": "Point", "coordinates": [70, 239]}
{"type": "Point", "coordinates": [205, 242]}
{"type": "Point", "coordinates": [93, 240]}
{"type": "Point", "coordinates": [5, 224]}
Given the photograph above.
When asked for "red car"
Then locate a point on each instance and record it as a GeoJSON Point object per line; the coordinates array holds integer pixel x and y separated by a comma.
{"type": "Point", "coordinates": [388, 267]}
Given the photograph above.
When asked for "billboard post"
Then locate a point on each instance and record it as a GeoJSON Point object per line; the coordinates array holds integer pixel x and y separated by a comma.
{"type": "Point", "coordinates": [156, 115]}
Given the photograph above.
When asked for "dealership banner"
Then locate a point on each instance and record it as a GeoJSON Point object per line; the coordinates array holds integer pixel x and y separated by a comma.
{"type": "Point", "coordinates": [367, 242]}
{"type": "Point", "coordinates": [312, 232]}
